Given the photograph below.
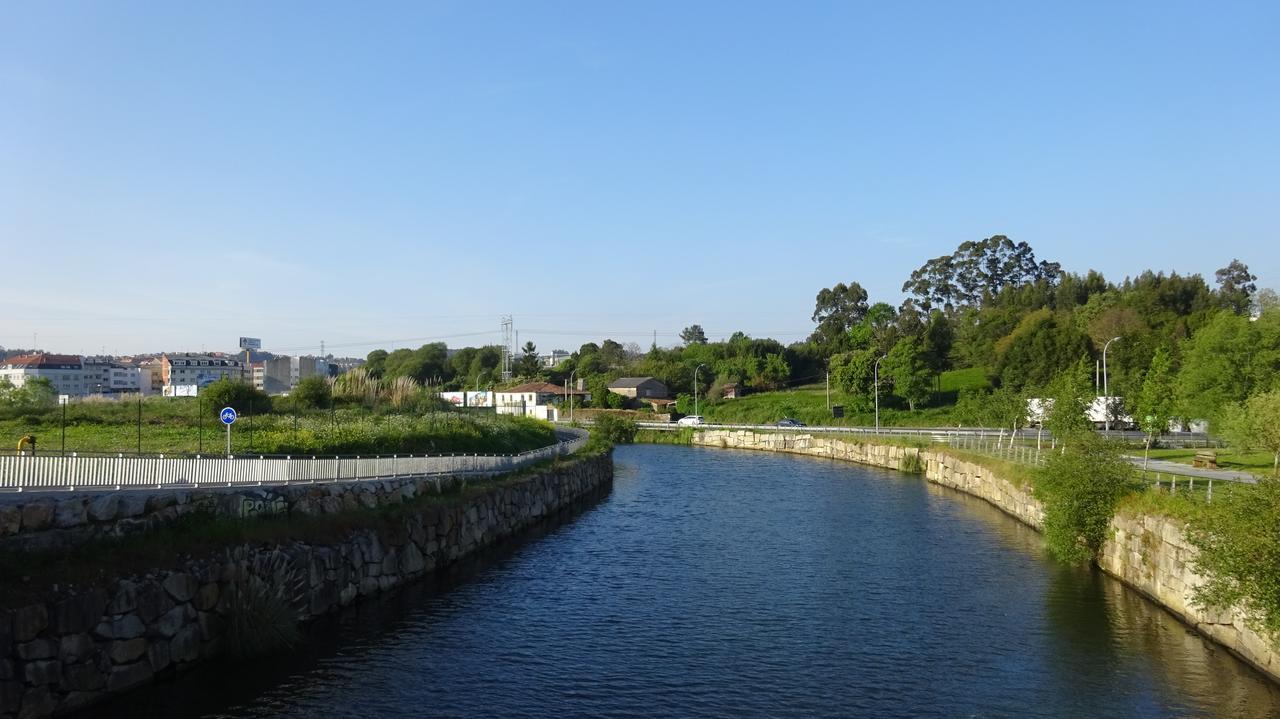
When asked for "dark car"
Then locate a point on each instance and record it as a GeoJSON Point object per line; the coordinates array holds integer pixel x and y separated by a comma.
{"type": "Point", "coordinates": [788, 422]}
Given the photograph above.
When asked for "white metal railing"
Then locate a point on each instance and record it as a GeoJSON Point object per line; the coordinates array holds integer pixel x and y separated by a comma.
{"type": "Point", "coordinates": [72, 472]}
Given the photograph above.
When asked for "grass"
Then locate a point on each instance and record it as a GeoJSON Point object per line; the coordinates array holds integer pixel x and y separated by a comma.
{"type": "Point", "coordinates": [173, 426]}
{"type": "Point", "coordinates": [971, 378]}
{"type": "Point", "coordinates": [809, 405]}
{"type": "Point", "coordinates": [1185, 504]}
{"type": "Point", "coordinates": [683, 436]}
{"type": "Point", "coordinates": [1259, 463]}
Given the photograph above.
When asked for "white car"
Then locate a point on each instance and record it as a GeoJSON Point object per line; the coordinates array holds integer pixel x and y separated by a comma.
{"type": "Point", "coordinates": [692, 420]}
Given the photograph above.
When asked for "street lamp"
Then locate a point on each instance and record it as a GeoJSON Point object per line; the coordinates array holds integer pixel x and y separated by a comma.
{"type": "Point", "coordinates": [569, 396]}
{"type": "Point", "coordinates": [695, 388]}
{"type": "Point", "coordinates": [875, 370]}
{"type": "Point", "coordinates": [1106, 395]}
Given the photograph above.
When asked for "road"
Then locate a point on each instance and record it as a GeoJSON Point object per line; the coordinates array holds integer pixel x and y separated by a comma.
{"type": "Point", "coordinates": [1166, 467]}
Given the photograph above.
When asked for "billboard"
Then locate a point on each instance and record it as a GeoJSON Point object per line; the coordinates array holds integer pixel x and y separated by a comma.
{"type": "Point", "coordinates": [181, 390]}
{"type": "Point", "coordinates": [250, 343]}
{"type": "Point", "coordinates": [468, 399]}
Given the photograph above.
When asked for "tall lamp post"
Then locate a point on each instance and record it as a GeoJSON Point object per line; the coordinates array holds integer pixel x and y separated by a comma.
{"type": "Point", "coordinates": [695, 388]}
{"type": "Point", "coordinates": [568, 396]}
{"type": "Point", "coordinates": [1106, 395]}
{"type": "Point", "coordinates": [875, 371]}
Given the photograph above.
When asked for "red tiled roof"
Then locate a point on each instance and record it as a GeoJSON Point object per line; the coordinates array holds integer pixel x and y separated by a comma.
{"type": "Point", "coordinates": [540, 388]}
{"type": "Point", "coordinates": [43, 360]}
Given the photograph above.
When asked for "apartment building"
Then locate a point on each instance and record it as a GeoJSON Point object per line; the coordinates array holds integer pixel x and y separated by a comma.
{"type": "Point", "coordinates": [187, 368]}
{"type": "Point", "coordinates": [105, 376]}
{"type": "Point", "coordinates": [64, 372]}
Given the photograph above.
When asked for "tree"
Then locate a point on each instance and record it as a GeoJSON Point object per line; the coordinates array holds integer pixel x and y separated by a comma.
{"type": "Point", "coordinates": [1006, 407]}
{"type": "Point", "coordinates": [1156, 401]}
{"type": "Point", "coordinates": [376, 362]}
{"type": "Point", "coordinates": [693, 335]}
{"type": "Point", "coordinates": [528, 364]}
{"type": "Point", "coordinates": [837, 310]}
{"type": "Point", "coordinates": [978, 270]}
{"type": "Point", "coordinates": [1042, 345]}
{"type": "Point", "coordinates": [35, 393]}
{"type": "Point", "coordinates": [1255, 424]}
{"type": "Point", "coordinates": [906, 367]}
{"type": "Point", "coordinates": [1080, 488]}
{"type": "Point", "coordinates": [936, 342]}
{"type": "Point", "coordinates": [1217, 366]}
{"type": "Point", "coordinates": [1236, 287]}
{"type": "Point", "coordinates": [852, 373]}
{"type": "Point", "coordinates": [1071, 394]}
{"type": "Point", "coordinates": [311, 393]}
{"type": "Point", "coordinates": [244, 398]}
{"type": "Point", "coordinates": [773, 373]}
{"type": "Point", "coordinates": [877, 329]}
{"type": "Point", "coordinates": [1238, 553]}
{"type": "Point", "coordinates": [1266, 300]}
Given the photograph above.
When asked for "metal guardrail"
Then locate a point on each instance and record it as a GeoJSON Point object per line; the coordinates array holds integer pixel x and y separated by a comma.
{"type": "Point", "coordinates": [944, 434]}
{"type": "Point", "coordinates": [74, 472]}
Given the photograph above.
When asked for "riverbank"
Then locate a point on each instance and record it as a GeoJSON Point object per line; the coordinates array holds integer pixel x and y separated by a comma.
{"type": "Point", "coordinates": [1149, 553]}
{"type": "Point", "coordinates": [224, 586]}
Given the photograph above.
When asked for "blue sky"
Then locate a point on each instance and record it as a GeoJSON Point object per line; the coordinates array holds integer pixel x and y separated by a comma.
{"type": "Point", "coordinates": [175, 175]}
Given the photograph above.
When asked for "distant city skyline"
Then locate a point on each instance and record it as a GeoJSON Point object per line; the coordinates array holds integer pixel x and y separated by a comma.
{"type": "Point", "coordinates": [175, 176]}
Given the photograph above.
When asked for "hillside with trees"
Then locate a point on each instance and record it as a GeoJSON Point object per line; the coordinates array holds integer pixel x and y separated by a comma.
{"type": "Point", "coordinates": [989, 317]}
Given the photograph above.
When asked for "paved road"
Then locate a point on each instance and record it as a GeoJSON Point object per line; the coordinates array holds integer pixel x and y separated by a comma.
{"type": "Point", "coordinates": [1186, 470]}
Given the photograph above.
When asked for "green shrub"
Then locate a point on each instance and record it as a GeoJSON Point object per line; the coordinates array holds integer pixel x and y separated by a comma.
{"type": "Point", "coordinates": [312, 393]}
{"type": "Point", "coordinates": [910, 462]}
{"type": "Point", "coordinates": [1080, 487]}
{"type": "Point", "coordinates": [615, 430]}
{"type": "Point", "coordinates": [242, 397]}
{"type": "Point", "coordinates": [1238, 536]}
{"type": "Point", "coordinates": [263, 608]}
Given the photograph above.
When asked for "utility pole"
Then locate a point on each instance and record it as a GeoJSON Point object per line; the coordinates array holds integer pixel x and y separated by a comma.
{"type": "Point", "coordinates": [875, 369]}
{"type": "Point", "coordinates": [828, 391]}
{"type": "Point", "coordinates": [506, 323]}
{"type": "Point", "coordinates": [695, 387]}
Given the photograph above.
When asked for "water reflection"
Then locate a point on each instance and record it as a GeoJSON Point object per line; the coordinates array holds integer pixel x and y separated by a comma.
{"type": "Point", "coordinates": [715, 583]}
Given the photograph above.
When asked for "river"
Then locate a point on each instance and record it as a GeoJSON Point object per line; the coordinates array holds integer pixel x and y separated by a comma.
{"type": "Point", "coordinates": [714, 583]}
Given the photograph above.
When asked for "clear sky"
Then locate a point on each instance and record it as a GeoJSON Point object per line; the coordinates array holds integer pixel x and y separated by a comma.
{"type": "Point", "coordinates": [175, 175]}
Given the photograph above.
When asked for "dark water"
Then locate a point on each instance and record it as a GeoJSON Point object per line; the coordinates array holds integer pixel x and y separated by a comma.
{"type": "Point", "coordinates": [728, 584]}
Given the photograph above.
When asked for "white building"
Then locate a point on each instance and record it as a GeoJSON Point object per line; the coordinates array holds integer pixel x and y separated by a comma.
{"type": "Point", "coordinates": [200, 369]}
{"type": "Point", "coordinates": [64, 372]}
{"type": "Point", "coordinates": [535, 399]}
{"type": "Point", "coordinates": [306, 366]}
{"type": "Point", "coordinates": [555, 358]}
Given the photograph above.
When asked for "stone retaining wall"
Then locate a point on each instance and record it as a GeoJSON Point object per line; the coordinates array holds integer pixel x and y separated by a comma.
{"type": "Point", "coordinates": [1149, 553]}
{"type": "Point", "coordinates": [77, 648]}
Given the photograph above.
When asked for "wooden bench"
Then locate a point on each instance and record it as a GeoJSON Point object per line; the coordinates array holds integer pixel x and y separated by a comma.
{"type": "Point", "coordinates": [1206, 458]}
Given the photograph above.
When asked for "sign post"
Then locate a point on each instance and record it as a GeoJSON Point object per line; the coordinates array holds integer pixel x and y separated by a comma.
{"type": "Point", "coordinates": [247, 344]}
{"type": "Point", "coordinates": [228, 417]}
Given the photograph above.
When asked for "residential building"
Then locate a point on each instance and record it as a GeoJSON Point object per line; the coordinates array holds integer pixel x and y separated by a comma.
{"type": "Point", "coordinates": [275, 375]}
{"type": "Point", "coordinates": [152, 376]}
{"type": "Point", "coordinates": [534, 399]}
{"type": "Point", "coordinates": [639, 388]}
{"type": "Point", "coordinates": [188, 368]}
{"type": "Point", "coordinates": [555, 358]}
{"type": "Point", "coordinates": [306, 366]}
{"type": "Point", "coordinates": [105, 376]}
{"type": "Point", "coordinates": [64, 372]}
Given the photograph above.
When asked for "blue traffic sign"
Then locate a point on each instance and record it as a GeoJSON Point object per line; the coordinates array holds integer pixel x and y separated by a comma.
{"type": "Point", "coordinates": [228, 415]}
